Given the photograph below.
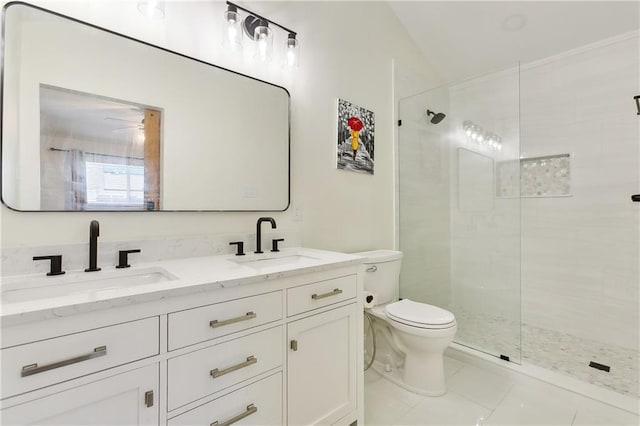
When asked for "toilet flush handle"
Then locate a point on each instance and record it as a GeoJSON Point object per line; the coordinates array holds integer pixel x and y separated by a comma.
{"type": "Point", "coordinates": [373, 268]}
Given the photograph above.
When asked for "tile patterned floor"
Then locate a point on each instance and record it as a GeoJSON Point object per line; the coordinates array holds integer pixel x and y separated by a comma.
{"type": "Point", "coordinates": [559, 352]}
{"type": "Point", "coordinates": [486, 395]}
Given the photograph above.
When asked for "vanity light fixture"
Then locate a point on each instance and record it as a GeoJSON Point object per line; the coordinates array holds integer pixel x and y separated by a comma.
{"type": "Point", "coordinates": [152, 9]}
{"type": "Point", "coordinates": [478, 135]}
{"type": "Point", "coordinates": [259, 29]}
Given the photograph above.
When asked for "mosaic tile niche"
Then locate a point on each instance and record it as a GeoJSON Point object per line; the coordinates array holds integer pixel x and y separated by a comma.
{"type": "Point", "coordinates": [548, 176]}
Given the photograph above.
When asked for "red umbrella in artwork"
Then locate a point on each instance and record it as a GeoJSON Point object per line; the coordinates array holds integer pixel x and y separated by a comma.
{"type": "Point", "coordinates": [355, 124]}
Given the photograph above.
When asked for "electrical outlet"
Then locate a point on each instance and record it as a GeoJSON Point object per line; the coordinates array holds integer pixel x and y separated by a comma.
{"type": "Point", "coordinates": [297, 213]}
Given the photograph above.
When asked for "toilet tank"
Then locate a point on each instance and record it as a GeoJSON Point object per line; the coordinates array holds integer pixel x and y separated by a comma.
{"type": "Point", "coordinates": [382, 274]}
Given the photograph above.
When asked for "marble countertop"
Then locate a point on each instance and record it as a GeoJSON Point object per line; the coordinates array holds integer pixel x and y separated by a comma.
{"type": "Point", "coordinates": [31, 297]}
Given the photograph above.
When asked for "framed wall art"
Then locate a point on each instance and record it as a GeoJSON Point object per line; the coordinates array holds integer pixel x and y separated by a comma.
{"type": "Point", "coordinates": [356, 138]}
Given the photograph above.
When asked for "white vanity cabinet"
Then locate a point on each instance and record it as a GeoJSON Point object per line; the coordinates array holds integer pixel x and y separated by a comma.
{"type": "Point", "coordinates": [284, 348]}
{"type": "Point", "coordinates": [123, 399]}
{"type": "Point", "coordinates": [321, 367]}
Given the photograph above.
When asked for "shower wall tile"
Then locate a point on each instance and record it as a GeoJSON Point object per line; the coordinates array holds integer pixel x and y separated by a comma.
{"type": "Point", "coordinates": [580, 269]}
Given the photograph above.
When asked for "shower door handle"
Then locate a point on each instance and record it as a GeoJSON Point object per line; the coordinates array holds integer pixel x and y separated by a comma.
{"type": "Point", "coordinates": [635, 198]}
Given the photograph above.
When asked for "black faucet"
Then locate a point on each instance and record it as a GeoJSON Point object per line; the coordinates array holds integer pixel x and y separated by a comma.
{"type": "Point", "coordinates": [94, 233]}
{"type": "Point", "coordinates": [258, 232]}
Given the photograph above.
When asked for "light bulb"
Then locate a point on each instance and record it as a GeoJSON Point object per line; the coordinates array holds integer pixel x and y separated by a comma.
{"type": "Point", "coordinates": [264, 41]}
{"type": "Point", "coordinates": [292, 51]}
{"type": "Point", "coordinates": [233, 32]}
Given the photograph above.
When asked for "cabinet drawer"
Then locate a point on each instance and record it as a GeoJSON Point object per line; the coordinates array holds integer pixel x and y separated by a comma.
{"type": "Point", "coordinates": [39, 364]}
{"type": "Point", "coordinates": [115, 400]}
{"type": "Point", "coordinates": [257, 404]}
{"type": "Point", "coordinates": [319, 294]}
{"type": "Point", "coordinates": [205, 371]}
{"type": "Point", "coordinates": [208, 322]}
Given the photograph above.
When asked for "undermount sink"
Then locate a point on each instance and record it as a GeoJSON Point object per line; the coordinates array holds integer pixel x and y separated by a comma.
{"type": "Point", "coordinates": [260, 261]}
{"type": "Point", "coordinates": [36, 287]}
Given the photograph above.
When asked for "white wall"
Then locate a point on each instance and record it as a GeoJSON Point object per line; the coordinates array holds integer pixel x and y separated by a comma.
{"type": "Point", "coordinates": [347, 52]}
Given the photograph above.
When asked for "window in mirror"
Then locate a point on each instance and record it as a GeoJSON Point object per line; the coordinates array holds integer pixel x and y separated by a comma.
{"type": "Point", "coordinates": [112, 185]}
{"type": "Point", "coordinates": [98, 153]}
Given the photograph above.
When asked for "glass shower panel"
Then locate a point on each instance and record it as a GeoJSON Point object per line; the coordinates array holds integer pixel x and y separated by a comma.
{"type": "Point", "coordinates": [459, 208]}
{"type": "Point", "coordinates": [424, 217]}
{"type": "Point", "coordinates": [580, 228]}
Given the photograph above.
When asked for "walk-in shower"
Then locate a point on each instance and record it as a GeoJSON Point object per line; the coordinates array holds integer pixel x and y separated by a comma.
{"type": "Point", "coordinates": [515, 212]}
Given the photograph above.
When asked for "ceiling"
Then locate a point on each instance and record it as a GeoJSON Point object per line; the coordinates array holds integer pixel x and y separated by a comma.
{"type": "Point", "coordinates": [86, 117]}
{"type": "Point", "coordinates": [461, 39]}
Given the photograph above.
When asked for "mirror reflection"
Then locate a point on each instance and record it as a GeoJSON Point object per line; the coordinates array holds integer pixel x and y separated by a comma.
{"type": "Point", "coordinates": [97, 153]}
{"type": "Point", "coordinates": [97, 121]}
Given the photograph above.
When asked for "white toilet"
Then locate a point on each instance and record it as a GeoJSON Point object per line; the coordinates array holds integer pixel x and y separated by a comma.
{"type": "Point", "coordinates": [418, 331]}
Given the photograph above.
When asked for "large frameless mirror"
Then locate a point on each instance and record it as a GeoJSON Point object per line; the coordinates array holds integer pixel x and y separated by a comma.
{"type": "Point", "coordinates": [93, 120]}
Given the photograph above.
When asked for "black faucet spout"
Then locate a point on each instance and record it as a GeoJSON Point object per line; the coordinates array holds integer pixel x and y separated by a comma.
{"type": "Point", "coordinates": [259, 232]}
{"type": "Point", "coordinates": [94, 233]}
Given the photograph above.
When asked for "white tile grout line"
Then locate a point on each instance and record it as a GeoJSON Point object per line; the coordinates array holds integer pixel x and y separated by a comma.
{"type": "Point", "coordinates": [499, 403]}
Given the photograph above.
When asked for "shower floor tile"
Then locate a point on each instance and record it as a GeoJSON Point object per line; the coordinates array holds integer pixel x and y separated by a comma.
{"type": "Point", "coordinates": [509, 398]}
{"type": "Point", "coordinates": [553, 350]}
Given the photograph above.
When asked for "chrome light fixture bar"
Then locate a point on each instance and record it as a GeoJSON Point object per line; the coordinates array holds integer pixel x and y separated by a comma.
{"type": "Point", "coordinates": [257, 28]}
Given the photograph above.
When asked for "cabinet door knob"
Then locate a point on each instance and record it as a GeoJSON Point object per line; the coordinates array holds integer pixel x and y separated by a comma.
{"type": "Point", "coordinates": [294, 345]}
{"type": "Point", "coordinates": [148, 398]}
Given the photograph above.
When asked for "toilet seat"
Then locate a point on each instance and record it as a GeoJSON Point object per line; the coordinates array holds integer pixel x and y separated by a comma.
{"type": "Point", "coordinates": [419, 315]}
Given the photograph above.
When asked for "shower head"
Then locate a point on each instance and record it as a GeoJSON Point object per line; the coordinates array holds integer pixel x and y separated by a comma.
{"type": "Point", "coordinates": [437, 116]}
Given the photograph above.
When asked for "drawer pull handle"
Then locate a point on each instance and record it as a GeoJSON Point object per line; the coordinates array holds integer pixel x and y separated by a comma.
{"type": "Point", "coordinates": [335, 292]}
{"type": "Point", "coordinates": [217, 373]}
{"type": "Point", "coordinates": [31, 369]}
{"type": "Point", "coordinates": [373, 268]}
{"type": "Point", "coordinates": [247, 316]}
{"type": "Point", "coordinates": [250, 410]}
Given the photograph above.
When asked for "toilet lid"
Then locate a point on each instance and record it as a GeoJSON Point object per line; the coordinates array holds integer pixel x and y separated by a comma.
{"type": "Point", "coordinates": [419, 314]}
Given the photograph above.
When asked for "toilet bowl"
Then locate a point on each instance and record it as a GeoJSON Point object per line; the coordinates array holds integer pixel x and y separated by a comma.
{"type": "Point", "coordinates": [419, 331]}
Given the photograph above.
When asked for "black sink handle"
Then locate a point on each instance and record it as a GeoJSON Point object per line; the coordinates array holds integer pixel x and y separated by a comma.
{"type": "Point", "coordinates": [56, 263]}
